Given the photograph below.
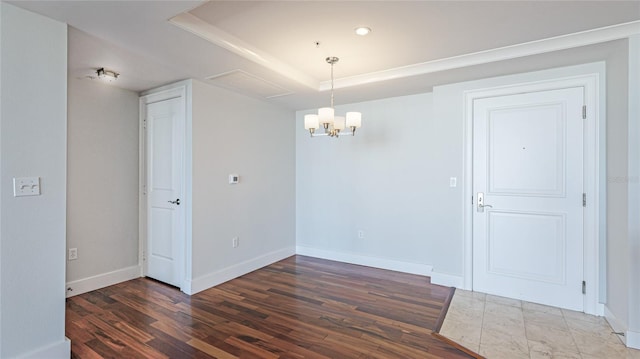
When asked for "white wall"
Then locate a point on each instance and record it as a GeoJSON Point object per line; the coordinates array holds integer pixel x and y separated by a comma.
{"type": "Point", "coordinates": [327, 223]}
{"type": "Point", "coordinates": [237, 134]}
{"type": "Point", "coordinates": [102, 183]}
{"type": "Point", "coordinates": [449, 107]}
{"type": "Point", "coordinates": [633, 335]}
{"type": "Point", "coordinates": [33, 139]}
{"type": "Point", "coordinates": [1, 187]}
{"type": "Point", "coordinates": [618, 269]}
{"type": "Point", "coordinates": [390, 180]}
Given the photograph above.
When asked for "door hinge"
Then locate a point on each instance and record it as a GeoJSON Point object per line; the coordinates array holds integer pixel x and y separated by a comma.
{"type": "Point", "coordinates": [584, 200]}
{"type": "Point", "coordinates": [584, 287]}
{"type": "Point", "coordinates": [471, 199]}
{"type": "Point", "coordinates": [584, 112]}
{"type": "Point", "coordinates": [144, 124]}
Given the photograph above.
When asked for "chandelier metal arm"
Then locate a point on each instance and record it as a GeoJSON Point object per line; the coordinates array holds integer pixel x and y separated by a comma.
{"type": "Point", "coordinates": [333, 133]}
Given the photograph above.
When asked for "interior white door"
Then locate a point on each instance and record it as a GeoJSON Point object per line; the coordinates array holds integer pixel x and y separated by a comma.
{"type": "Point", "coordinates": [528, 166]}
{"type": "Point", "coordinates": [165, 211]}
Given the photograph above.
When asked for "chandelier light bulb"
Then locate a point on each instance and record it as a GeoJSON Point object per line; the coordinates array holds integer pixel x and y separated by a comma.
{"type": "Point", "coordinates": [354, 119]}
{"type": "Point", "coordinates": [311, 122]}
{"type": "Point", "coordinates": [325, 115]}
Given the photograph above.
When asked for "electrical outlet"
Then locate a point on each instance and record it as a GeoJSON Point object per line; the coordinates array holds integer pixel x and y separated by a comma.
{"type": "Point", "coordinates": [73, 254]}
{"type": "Point", "coordinates": [235, 242]}
{"type": "Point", "coordinates": [361, 234]}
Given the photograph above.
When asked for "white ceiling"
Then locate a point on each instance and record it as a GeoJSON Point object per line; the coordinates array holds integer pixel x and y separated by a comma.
{"type": "Point", "coordinates": [404, 33]}
{"type": "Point", "coordinates": [414, 45]}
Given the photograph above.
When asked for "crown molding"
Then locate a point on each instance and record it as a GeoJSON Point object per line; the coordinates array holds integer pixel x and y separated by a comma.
{"type": "Point", "coordinates": [583, 38]}
{"type": "Point", "coordinates": [201, 28]}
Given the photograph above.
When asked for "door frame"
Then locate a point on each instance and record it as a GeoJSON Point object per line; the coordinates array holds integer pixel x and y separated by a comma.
{"type": "Point", "coordinates": [594, 156]}
{"type": "Point", "coordinates": [180, 90]}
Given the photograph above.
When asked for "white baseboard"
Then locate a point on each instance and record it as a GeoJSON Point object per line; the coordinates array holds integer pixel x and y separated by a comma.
{"type": "Point", "coordinates": [57, 350]}
{"type": "Point", "coordinates": [447, 280]}
{"type": "Point", "coordinates": [226, 274]}
{"type": "Point", "coordinates": [617, 325]}
{"type": "Point", "coordinates": [633, 339]}
{"type": "Point", "coordinates": [102, 280]}
{"type": "Point", "coordinates": [186, 286]}
{"type": "Point", "coordinates": [382, 263]}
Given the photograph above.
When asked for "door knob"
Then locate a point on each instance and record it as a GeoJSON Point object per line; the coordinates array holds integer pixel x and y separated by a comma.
{"type": "Point", "coordinates": [481, 204]}
{"type": "Point", "coordinates": [176, 202]}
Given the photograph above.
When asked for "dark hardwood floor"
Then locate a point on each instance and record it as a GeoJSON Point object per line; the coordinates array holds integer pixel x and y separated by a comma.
{"type": "Point", "coordinates": [300, 307]}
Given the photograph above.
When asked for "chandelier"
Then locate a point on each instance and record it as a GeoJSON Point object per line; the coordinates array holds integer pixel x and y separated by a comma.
{"type": "Point", "coordinates": [333, 125]}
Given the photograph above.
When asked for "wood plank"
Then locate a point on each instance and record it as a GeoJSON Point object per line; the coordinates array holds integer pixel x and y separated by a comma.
{"type": "Point", "coordinates": [300, 307]}
{"type": "Point", "coordinates": [82, 351]}
{"type": "Point", "coordinates": [174, 348]}
{"type": "Point", "coordinates": [210, 349]}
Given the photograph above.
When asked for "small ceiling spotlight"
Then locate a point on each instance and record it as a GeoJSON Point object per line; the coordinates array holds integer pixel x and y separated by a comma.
{"type": "Point", "coordinates": [362, 30]}
{"type": "Point", "coordinates": [107, 75]}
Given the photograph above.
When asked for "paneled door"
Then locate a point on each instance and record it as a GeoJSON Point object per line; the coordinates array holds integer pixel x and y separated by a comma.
{"type": "Point", "coordinates": [528, 197]}
{"type": "Point", "coordinates": [164, 252]}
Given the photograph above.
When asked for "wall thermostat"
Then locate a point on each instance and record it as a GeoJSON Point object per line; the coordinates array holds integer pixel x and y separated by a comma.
{"type": "Point", "coordinates": [234, 178]}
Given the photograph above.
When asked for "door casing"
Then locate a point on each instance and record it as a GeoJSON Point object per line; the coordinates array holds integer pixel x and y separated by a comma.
{"type": "Point", "coordinates": [593, 165]}
{"type": "Point", "coordinates": [181, 90]}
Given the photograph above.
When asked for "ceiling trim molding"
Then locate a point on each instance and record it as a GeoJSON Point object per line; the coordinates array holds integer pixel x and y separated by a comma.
{"type": "Point", "coordinates": [583, 38]}
{"type": "Point", "coordinates": [203, 29]}
{"type": "Point", "coordinates": [213, 34]}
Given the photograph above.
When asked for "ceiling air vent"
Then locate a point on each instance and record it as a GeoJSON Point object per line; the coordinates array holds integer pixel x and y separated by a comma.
{"type": "Point", "coordinates": [248, 84]}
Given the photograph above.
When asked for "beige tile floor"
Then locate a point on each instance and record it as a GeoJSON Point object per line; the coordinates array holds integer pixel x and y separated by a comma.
{"type": "Point", "coordinates": [497, 327]}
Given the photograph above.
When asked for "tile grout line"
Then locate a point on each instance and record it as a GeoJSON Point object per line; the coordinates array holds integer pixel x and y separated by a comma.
{"type": "Point", "coordinates": [573, 338]}
{"type": "Point", "coordinates": [526, 336]}
{"type": "Point", "coordinates": [562, 321]}
{"type": "Point", "coordinates": [484, 306]}
{"type": "Point", "coordinates": [524, 325]}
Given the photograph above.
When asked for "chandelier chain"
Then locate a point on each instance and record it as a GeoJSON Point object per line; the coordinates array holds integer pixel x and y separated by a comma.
{"type": "Point", "coordinates": [332, 62]}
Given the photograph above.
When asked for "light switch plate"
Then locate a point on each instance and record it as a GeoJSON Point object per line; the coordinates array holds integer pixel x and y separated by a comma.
{"type": "Point", "coordinates": [453, 182]}
{"type": "Point", "coordinates": [26, 186]}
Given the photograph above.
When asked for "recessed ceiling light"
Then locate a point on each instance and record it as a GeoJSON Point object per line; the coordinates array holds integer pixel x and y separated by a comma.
{"type": "Point", "coordinates": [362, 31]}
